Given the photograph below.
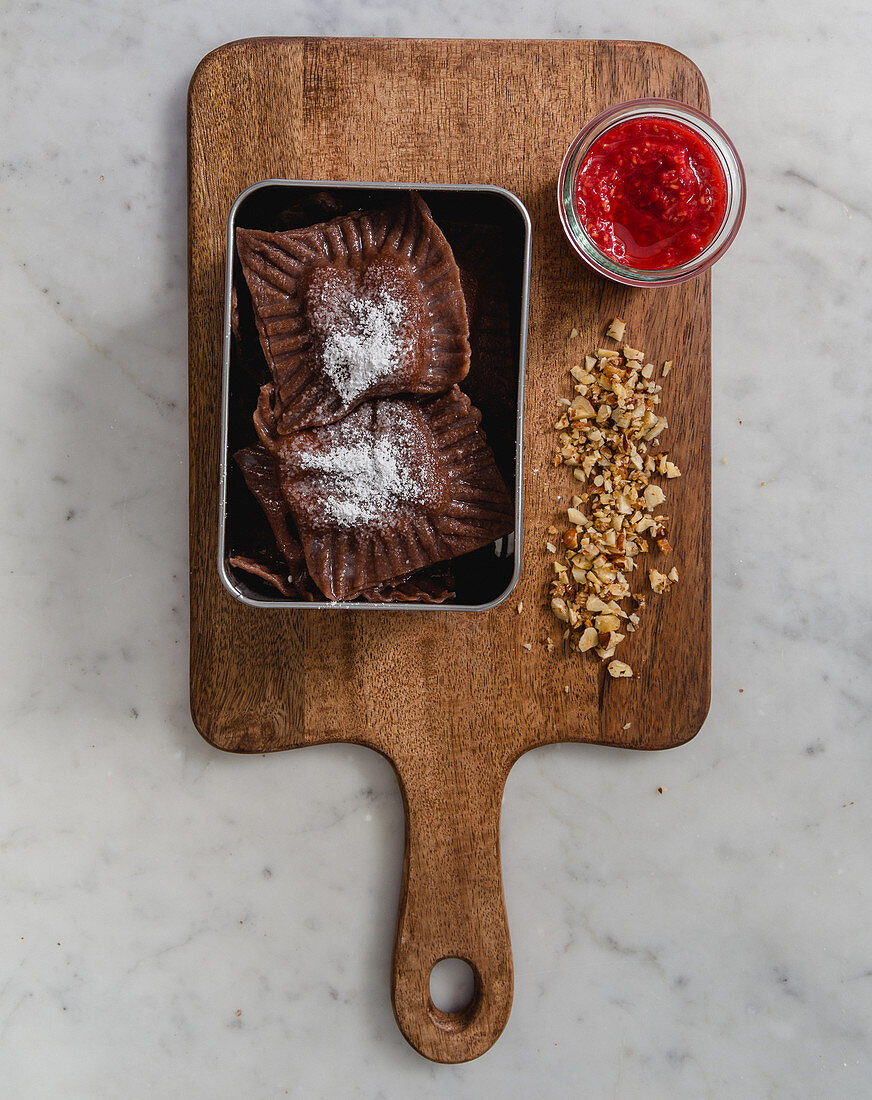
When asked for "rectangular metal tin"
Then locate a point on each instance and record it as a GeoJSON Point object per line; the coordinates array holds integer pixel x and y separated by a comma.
{"type": "Point", "coordinates": [517, 535]}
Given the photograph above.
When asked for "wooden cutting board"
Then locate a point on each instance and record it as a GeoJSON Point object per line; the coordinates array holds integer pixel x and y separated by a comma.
{"type": "Point", "coordinates": [451, 699]}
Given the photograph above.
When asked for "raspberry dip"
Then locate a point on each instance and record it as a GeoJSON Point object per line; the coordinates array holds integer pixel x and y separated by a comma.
{"type": "Point", "coordinates": [651, 192]}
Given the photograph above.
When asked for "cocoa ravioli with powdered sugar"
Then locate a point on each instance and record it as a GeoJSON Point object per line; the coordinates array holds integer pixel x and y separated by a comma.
{"type": "Point", "coordinates": [365, 305]}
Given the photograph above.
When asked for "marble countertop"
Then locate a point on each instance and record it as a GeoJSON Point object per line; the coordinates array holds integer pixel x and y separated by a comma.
{"type": "Point", "coordinates": [178, 922]}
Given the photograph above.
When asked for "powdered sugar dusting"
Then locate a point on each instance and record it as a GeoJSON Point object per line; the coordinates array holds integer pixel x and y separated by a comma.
{"type": "Point", "coordinates": [368, 465]}
{"type": "Point", "coordinates": [364, 335]}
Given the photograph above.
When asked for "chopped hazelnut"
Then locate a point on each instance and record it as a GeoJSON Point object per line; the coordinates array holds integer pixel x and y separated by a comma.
{"type": "Point", "coordinates": [560, 610]}
{"type": "Point", "coordinates": [589, 639]}
{"type": "Point", "coordinates": [653, 496]}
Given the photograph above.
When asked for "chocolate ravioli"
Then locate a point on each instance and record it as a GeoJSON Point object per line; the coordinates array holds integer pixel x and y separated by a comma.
{"type": "Point", "coordinates": [396, 486]}
{"type": "Point", "coordinates": [267, 570]}
{"type": "Point", "coordinates": [258, 469]}
{"type": "Point", "coordinates": [366, 305]}
{"type": "Point", "coordinates": [432, 585]}
{"type": "Point", "coordinates": [281, 562]}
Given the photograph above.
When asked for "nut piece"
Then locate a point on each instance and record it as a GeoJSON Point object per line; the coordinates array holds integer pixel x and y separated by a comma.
{"type": "Point", "coordinates": [561, 611]}
{"type": "Point", "coordinates": [653, 496]}
{"type": "Point", "coordinates": [581, 409]}
{"type": "Point", "coordinates": [589, 639]}
{"type": "Point", "coordinates": [616, 329]}
{"type": "Point", "coordinates": [619, 670]}
{"type": "Point", "coordinates": [658, 581]}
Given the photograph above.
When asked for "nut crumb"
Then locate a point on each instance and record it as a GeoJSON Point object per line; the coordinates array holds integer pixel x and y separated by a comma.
{"type": "Point", "coordinates": [627, 725]}
{"type": "Point", "coordinates": [528, 646]}
{"type": "Point", "coordinates": [566, 688]}
{"type": "Point", "coordinates": [616, 329]}
{"type": "Point", "coordinates": [619, 670]}
{"type": "Point", "coordinates": [520, 607]}
{"type": "Point", "coordinates": [589, 639]}
{"type": "Point", "coordinates": [559, 609]}
{"type": "Point", "coordinates": [662, 790]}
{"type": "Point", "coordinates": [573, 334]}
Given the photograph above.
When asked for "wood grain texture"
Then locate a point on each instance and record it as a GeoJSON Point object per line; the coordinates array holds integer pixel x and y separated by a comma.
{"type": "Point", "coordinates": [451, 699]}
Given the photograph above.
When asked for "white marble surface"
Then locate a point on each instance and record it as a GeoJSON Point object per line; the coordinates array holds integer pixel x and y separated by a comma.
{"type": "Point", "coordinates": [176, 922]}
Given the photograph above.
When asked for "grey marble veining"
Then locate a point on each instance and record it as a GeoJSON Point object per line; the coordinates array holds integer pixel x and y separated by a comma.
{"type": "Point", "coordinates": [181, 923]}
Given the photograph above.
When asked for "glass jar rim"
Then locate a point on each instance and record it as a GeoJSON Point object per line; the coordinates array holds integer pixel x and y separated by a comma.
{"type": "Point", "coordinates": [702, 125]}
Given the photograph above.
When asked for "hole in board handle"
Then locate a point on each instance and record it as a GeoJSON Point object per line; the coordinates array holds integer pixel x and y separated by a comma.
{"type": "Point", "coordinates": [453, 991]}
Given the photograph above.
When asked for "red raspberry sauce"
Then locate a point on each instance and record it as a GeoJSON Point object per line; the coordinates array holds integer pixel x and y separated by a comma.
{"type": "Point", "coordinates": [651, 193]}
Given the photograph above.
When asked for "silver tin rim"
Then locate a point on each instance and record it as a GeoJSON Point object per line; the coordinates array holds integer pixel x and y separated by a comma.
{"type": "Point", "coordinates": [326, 605]}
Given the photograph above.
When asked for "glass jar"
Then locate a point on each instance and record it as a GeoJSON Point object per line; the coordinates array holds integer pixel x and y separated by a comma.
{"type": "Point", "coordinates": [705, 130]}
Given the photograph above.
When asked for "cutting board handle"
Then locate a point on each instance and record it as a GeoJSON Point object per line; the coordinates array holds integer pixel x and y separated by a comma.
{"type": "Point", "coordinates": [452, 906]}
